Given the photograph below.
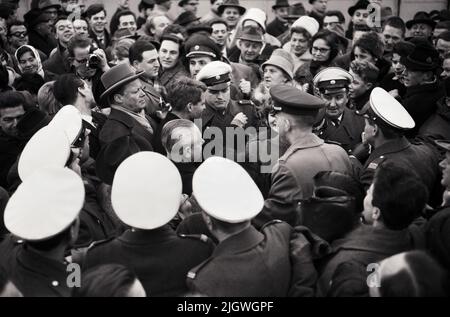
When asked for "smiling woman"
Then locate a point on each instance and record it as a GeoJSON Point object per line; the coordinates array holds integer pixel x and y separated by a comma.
{"type": "Point", "coordinates": [169, 57]}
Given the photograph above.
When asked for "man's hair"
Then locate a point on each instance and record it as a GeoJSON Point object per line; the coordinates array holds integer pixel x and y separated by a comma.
{"type": "Point", "coordinates": [336, 13]}
{"type": "Point", "coordinates": [366, 71]}
{"type": "Point", "coordinates": [144, 6]}
{"type": "Point", "coordinates": [125, 13]}
{"type": "Point", "coordinates": [138, 48]}
{"type": "Point", "coordinates": [300, 30]}
{"type": "Point", "coordinates": [173, 29]}
{"type": "Point", "coordinates": [122, 47]}
{"type": "Point", "coordinates": [66, 87]}
{"type": "Point", "coordinates": [218, 21]}
{"type": "Point", "coordinates": [169, 139]}
{"type": "Point", "coordinates": [77, 41]}
{"type": "Point", "coordinates": [212, 1]}
{"type": "Point", "coordinates": [11, 99]}
{"type": "Point", "coordinates": [370, 42]}
{"type": "Point", "coordinates": [94, 9]}
{"type": "Point", "coordinates": [399, 194]}
{"type": "Point", "coordinates": [395, 22]}
{"type": "Point", "coordinates": [15, 23]}
{"type": "Point", "coordinates": [445, 36]}
{"type": "Point", "coordinates": [110, 280]}
{"type": "Point", "coordinates": [46, 99]}
{"type": "Point", "coordinates": [183, 91]}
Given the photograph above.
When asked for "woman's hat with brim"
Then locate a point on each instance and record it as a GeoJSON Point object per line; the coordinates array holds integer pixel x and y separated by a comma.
{"type": "Point", "coordinates": [422, 18]}
{"type": "Point", "coordinates": [283, 60]}
{"type": "Point", "coordinates": [360, 5]}
{"type": "Point", "coordinates": [115, 78]}
{"type": "Point", "coordinates": [231, 4]}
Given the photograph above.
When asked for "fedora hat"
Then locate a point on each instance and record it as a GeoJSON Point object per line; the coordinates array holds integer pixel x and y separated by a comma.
{"type": "Point", "coordinates": [295, 11]}
{"type": "Point", "coordinates": [116, 77]}
{"type": "Point", "coordinates": [283, 60]}
{"type": "Point", "coordinates": [185, 18]}
{"type": "Point", "coordinates": [251, 33]}
{"type": "Point", "coordinates": [423, 18]}
{"type": "Point", "coordinates": [231, 4]}
{"type": "Point", "coordinates": [280, 4]}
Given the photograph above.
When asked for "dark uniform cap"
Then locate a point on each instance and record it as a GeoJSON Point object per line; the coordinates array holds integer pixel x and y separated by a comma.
{"type": "Point", "coordinates": [291, 100]}
{"type": "Point", "coordinates": [201, 45]}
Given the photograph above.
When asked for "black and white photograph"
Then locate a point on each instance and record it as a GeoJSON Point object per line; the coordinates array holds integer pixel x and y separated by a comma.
{"type": "Point", "coordinates": [225, 154]}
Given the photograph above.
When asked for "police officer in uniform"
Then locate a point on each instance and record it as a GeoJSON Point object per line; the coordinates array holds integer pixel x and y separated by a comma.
{"type": "Point", "coordinates": [43, 214]}
{"type": "Point", "coordinates": [160, 258]}
{"type": "Point", "coordinates": [292, 178]}
{"type": "Point", "coordinates": [246, 262]}
{"type": "Point", "coordinates": [221, 111]}
{"type": "Point", "coordinates": [386, 122]}
{"type": "Point", "coordinates": [341, 124]}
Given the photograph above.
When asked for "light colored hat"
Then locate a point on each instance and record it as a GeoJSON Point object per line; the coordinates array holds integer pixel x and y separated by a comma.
{"type": "Point", "coordinates": [257, 15]}
{"type": "Point", "coordinates": [283, 60]}
{"type": "Point", "coordinates": [309, 24]}
{"type": "Point", "coordinates": [332, 79]}
{"type": "Point", "coordinates": [45, 204]}
{"type": "Point", "coordinates": [68, 119]}
{"type": "Point", "coordinates": [226, 192]}
{"type": "Point", "coordinates": [146, 191]}
{"type": "Point", "coordinates": [49, 147]}
{"type": "Point", "coordinates": [215, 75]}
{"type": "Point", "coordinates": [388, 109]}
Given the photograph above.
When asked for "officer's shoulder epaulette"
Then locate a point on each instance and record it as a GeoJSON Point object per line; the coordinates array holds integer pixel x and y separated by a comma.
{"type": "Point", "coordinates": [375, 163]}
{"type": "Point", "coordinates": [271, 223]}
{"type": "Point", "coordinates": [198, 237]}
{"type": "Point", "coordinates": [246, 103]}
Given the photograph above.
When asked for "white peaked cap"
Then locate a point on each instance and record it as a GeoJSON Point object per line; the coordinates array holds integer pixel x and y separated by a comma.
{"type": "Point", "coordinates": [45, 204]}
{"type": "Point", "coordinates": [226, 192]}
{"type": "Point", "coordinates": [146, 191]}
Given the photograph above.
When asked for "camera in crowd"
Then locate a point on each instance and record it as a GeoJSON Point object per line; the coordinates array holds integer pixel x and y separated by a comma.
{"type": "Point", "coordinates": [94, 61]}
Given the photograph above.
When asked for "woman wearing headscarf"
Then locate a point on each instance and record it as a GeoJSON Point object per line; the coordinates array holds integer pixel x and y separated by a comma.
{"type": "Point", "coordinates": [29, 63]}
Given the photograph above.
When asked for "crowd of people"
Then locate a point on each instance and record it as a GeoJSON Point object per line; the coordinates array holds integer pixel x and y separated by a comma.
{"type": "Point", "coordinates": [224, 155]}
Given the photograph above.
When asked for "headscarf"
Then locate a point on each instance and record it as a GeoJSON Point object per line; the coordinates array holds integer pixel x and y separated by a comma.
{"type": "Point", "coordinates": [40, 70]}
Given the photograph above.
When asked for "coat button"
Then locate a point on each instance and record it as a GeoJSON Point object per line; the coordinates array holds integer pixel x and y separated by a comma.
{"type": "Point", "coordinates": [55, 283]}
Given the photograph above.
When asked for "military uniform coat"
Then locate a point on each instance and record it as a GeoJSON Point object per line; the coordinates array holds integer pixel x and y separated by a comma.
{"type": "Point", "coordinates": [160, 258]}
{"type": "Point", "coordinates": [33, 274]}
{"type": "Point", "coordinates": [420, 158]}
{"type": "Point", "coordinates": [347, 133]}
{"type": "Point", "coordinates": [121, 124]}
{"type": "Point", "coordinates": [257, 264]}
{"type": "Point", "coordinates": [292, 177]}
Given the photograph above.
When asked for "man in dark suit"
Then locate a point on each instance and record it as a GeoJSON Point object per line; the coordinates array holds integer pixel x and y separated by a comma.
{"type": "Point", "coordinates": [341, 125]}
{"type": "Point", "coordinates": [160, 258]}
{"type": "Point", "coordinates": [127, 98]}
{"type": "Point", "coordinates": [279, 25]}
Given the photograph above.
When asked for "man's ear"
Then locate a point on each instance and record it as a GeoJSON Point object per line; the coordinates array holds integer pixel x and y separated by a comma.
{"type": "Point", "coordinates": [81, 92]}
{"type": "Point", "coordinates": [189, 106]}
{"type": "Point", "coordinates": [136, 65]}
{"type": "Point", "coordinates": [368, 86]}
{"type": "Point", "coordinates": [376, 214]}
{"type": "Point", "coordinates": [118, 98]}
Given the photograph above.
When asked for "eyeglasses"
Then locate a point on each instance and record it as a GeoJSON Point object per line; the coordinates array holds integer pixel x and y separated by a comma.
{"type": "Point", "coordinates": [20, 34]}
{"type": "Point", "coordinates": [321, 50]}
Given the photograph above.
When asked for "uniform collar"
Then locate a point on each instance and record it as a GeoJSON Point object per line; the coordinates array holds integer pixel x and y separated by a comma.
{"type": "Point", "coordinates": [393, 146]}
{"type": "Point", "coordinates": [309, 141]}
{"type": "Point", "coordinates": [241, 242]}
{"type": "Point", "coordinates": [145, 237]}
